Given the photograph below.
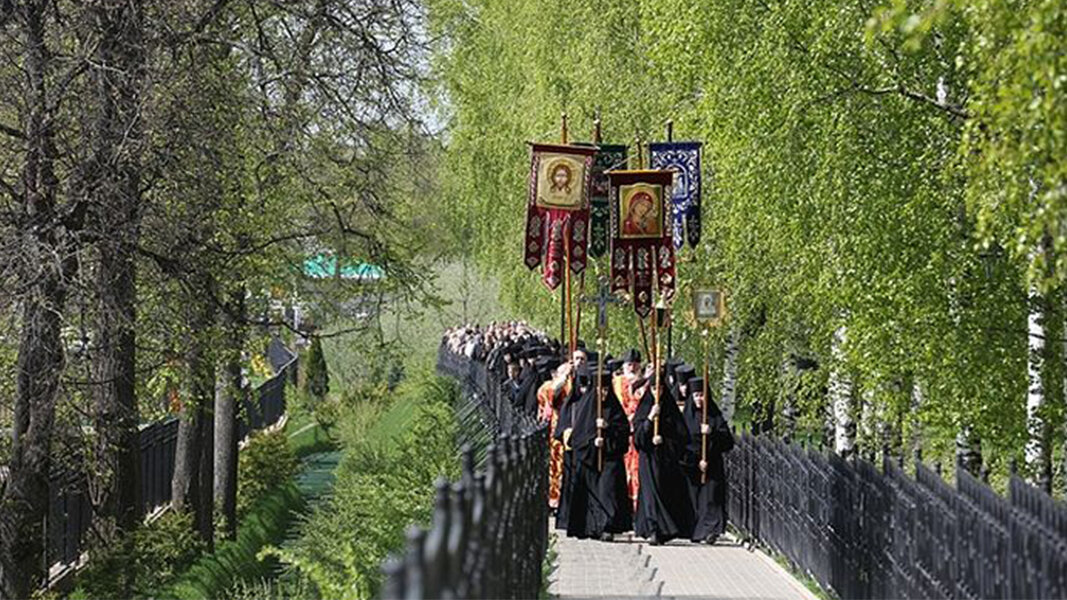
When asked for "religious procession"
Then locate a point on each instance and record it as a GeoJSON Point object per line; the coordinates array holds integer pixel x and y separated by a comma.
{"type": "Point", "coordinates": [634, 444]}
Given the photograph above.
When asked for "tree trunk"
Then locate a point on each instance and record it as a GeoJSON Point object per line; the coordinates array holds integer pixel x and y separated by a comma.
{"type": "Point", "coordinates": [790, 383]}
{"type": "Point", "coordinates": [1038, 447]}
{"type": "Point", "coordinates": [25, 495]}
{"type": "Point", "coordinates": [229, 392]}
{"type": "Point", "coordinates": [869, 420]}
{"type": "Point", "coordinates": [24, 505]}
{"type": "Point", "coordinates": [114, 184]}
{"type": "Point", "coordinates": [193, 481]}
{"type": "Point", "coordinates": [918, 398]}
{"type": "Point", "coordinates": [840, 390]}
{"type": "Point", "coordinates": [729, 378]}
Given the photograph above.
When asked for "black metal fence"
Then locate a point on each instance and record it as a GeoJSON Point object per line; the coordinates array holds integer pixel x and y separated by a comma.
{"type": "Point", "coordinates": [70, 509]}
{"type": "Point", "coordinates": [868, 533]}
{"type": "Point", "coordinates": [489, 532]}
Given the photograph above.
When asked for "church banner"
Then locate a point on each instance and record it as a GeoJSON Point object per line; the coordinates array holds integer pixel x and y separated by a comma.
{"type": "Point", "coordinates": [684, 159]}
{"type": "Point", "coordinates": [608, 157]}
{"type": "Point", "coordinates": [557, 209]}
{"type": "Point", "coordinates": [642, 252]}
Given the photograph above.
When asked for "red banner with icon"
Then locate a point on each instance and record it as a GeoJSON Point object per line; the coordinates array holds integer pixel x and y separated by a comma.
{"type": "Point", "coordinates": [642, 251]}
{"type": "Point", "coordinates": [557, 210]}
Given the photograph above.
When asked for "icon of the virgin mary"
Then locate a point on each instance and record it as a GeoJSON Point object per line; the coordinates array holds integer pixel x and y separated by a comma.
{"type": "Point", "coordinates": [642, 216]}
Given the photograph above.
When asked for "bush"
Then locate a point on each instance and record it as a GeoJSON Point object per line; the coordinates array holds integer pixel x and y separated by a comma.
{"type": "Point", "coordinates": [284, 588]}
{"type": "Point", "coordinates": [266, 462]}
{"type": "Point", "coordinates": [152, 557]}
{"type": "Point", "coordinates": [317, 382]}
{"type": "Point", "coordinates": [384, 484]}
{"type": "Point", "coordinates": [238, 560]}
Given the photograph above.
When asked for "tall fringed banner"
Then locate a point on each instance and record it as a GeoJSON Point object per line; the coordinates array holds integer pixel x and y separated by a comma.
{"type": "Point", "coordinates": [558, 206]}
{"type": "Point", "coordinates": [683, 158]}
{"type": "Point", "coordinates": [607, 157]}
{"type": "Point", "coordinates": [642, 253]}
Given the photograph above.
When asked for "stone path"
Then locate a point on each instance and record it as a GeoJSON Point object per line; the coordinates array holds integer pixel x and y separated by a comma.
{"type": "Point", "coordinates": [630, 568]}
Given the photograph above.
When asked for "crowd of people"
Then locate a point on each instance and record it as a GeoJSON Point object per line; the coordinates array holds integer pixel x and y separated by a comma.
{"type": "Point", "coordinates": [486, 343]}
{"type": "Point", "coordinates": [628, 450]}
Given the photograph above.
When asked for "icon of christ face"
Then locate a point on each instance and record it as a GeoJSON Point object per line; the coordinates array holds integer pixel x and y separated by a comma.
{"type": "Point", "coordinates": [560, 182]}
{"type": "Point", "coordinates": [561, 179]}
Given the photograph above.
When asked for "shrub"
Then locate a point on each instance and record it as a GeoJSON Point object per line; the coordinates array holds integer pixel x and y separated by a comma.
{"type": "Point", "coordinates": [284, 588]}
{"type": "Point", "coordinates": [237, 560]}
{"type": "Point", "coordinates": [317, 380]}
{"type": "Point", "coordinates": [384, 484]}
{"type": "Point", "coordinates": [153, 556]}
{"type": "Point", "coordinates": [266, 462]}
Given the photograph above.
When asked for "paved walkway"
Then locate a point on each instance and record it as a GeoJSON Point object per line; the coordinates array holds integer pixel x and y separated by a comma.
{"type": "Point", "coordinates": [630, 568]}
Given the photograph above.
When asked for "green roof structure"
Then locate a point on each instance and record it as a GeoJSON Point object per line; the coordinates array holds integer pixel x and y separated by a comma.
{"type": "Point", "coordinates": [324, 266]}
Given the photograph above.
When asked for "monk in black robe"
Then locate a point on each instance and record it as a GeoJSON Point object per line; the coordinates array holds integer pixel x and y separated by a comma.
{"type": "Point", "coordinates": [574, 368]}
{"type": "Point", "coordinates": [710, 438]}
{"type": "Point", "coordinates": [597, 498]}
{"type": "Point", "coordinates": [664, 509]}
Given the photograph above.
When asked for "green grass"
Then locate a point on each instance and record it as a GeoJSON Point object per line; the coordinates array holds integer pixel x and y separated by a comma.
{"type": "Point", "coordinates": [397, 418]}
{"type": "Point", "coordinates": [306, 440]}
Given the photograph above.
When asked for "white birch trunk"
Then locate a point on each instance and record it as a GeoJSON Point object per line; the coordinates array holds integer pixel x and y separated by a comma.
{"type": "Point", "coordinates": [1063, 300]}
{"type": "Point", "coordinates": [1035, 397]}
{"type": "Point", "coordinates": [840, 389]}
{"type": "Point", "coordinates": [868, 444]}
{"type": "Point", "coordinates": [729, 378]}
{"type": "Point", "coordinates": [918, 398]}
{"type": "Point", "coordinates": [790, 377]}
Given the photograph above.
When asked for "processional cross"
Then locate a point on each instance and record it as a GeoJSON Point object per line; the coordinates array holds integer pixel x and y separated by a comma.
{"type": "Point", "coordinates": [602, 299]}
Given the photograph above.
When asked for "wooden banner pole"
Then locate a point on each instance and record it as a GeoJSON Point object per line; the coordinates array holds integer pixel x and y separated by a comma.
{"type": "Point", "coordinates": [567, 291]}
{"type": "Point", "coordinates": [567, 306]}
{"type": "Point", "coordinates": [704, 412]}
{"type": "Point", "coordinates": [655, 353]}
{"type": "Point", "coordinates": [600, 399]}
{"type": "Point", "coordinates": [578, 320]}
{"type": "Point", "coordinates": [670, 324]}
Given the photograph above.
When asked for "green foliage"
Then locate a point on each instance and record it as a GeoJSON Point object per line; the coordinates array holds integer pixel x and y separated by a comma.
{"type": "Point", "coordinates": [317, 375]}
{"type": "Point", "coordinates": [266, 462]}
{"type": "Point", "coordinates": [284, 588]}
{"type": "Point", "coordinates": [233, 561]}
{"type": "Point", "coordinates": [393, 450]}
{"type": "Point", "coordinates": [150, 558]}
{"type": "Point", "coordinates": [863, 166]}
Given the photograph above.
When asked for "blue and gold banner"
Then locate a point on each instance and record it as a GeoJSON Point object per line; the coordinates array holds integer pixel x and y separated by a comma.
{"type": "Point", "coordinates": [684, 159]}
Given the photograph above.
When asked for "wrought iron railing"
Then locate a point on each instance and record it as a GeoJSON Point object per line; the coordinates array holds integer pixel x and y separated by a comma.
{"type": "Point", "coordinates": [70, 510]}
{"type": "Point", "coordinates": [869, 533]}
{"type": "Point", "coordinates": [489, 532]}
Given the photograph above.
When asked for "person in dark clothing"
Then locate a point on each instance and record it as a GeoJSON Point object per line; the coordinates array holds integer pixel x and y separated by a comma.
{"type": "Point", "coordinates": [513, 383]}
{"type": "Point", "coordinates": [682, 373]}
{"type": "Point", "coordinates": [597, 498]}
{"type": "Point", "coordinates": [709, 439]}
{"type": "Point", "coordinates": [664, 509]}
{"type": "Point", "coordinates": [527, 394]}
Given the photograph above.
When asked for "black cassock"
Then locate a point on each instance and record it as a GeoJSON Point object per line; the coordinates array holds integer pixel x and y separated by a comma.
{"type": "Point", "coordinates": [709, 497]}
{"type": "Point", "coordinates": [563, 510]}
{"type": "Point", "coordinates": [664, 509]}
{"type": "Point", "coordinates": [596, 501]}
